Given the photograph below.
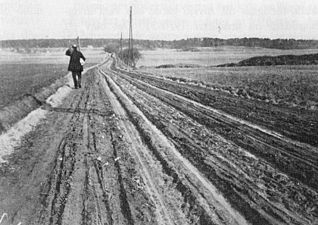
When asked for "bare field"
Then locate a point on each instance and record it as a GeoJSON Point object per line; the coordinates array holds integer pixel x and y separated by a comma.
{"type": "Point", "coordinates": [294, 86]}
{"type": "Point", "coordinates": [210, 56]}
{"type": "Point", "coordinates": [18, 80]}
{"type": "Point", "coordinates": [22, 73]}
{"type": "Point", "coordinates": [47, 56]}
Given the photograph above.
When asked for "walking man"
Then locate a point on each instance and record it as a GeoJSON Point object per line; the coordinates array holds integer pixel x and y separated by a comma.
{"type": "Point", "coordinates": [75, 65]}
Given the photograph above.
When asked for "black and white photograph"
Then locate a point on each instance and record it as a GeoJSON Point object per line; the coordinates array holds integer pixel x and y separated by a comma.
{"type": "Point", "coordinates": [139, 112]}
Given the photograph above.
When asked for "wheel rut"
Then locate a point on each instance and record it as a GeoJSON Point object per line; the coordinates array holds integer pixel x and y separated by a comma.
{"type": "Point", "coordinates": [250, 182]}
{"type": "Point", "coordinates": [205, 215]}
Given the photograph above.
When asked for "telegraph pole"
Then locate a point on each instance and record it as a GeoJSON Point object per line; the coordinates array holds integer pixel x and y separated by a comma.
{"type": "Point", "coordinates": [121, 42]}
{"type": "Point", "coordinates": [130, 52]}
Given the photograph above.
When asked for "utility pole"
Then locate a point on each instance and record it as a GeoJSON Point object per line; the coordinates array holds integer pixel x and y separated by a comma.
{"type": "Point", "coordinates": [131, 47]}
{"type": "Point", "coordinates": [121, 42]}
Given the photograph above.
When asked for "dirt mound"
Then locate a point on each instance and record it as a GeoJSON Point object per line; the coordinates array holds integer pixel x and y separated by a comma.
{"type": "Point", "coordinates": [308, 59]}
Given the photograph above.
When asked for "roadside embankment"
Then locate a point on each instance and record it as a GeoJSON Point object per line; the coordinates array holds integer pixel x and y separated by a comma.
{"type": "Point", "coordinates": [19, 109]}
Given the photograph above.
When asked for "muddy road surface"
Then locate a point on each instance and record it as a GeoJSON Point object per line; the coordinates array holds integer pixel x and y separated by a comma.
{"type": "Point", "coordinates": [125, 149]}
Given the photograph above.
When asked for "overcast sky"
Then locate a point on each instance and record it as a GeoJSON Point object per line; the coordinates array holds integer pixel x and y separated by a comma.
{"type": "Point", "coordinates": [158, 19]}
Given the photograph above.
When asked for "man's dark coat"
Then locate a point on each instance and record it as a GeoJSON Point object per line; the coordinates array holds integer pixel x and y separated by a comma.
{"type": "Point", "coordinates": [75, 65]}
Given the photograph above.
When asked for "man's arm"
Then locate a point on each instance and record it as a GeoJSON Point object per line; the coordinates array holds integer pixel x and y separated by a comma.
{"type": "Point", "coordinates": [82, 56]}
{"type": "Point", "coordinates": [68, 52]}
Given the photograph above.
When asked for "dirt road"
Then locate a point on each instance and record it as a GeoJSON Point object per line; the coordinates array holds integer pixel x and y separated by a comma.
{"type": "Point", "coordinates": [125, 150]}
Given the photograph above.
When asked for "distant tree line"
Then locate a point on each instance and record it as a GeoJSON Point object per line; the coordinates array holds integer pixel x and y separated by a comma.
{"type": "Point", "coordinates": [54, 43]}
{"type": "Point", "coordinates": [178, 44]}
{"type": "Point", "coordinates": [261, 42]}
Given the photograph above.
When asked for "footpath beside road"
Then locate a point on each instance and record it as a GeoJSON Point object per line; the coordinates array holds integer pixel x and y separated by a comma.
{"type": "Point", "coordinates": [120, 151]}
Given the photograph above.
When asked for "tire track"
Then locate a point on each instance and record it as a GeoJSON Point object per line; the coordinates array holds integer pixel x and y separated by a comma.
{"type": "Point", "coordinates": [120, 151]}
{"type": "Point", "coordinates": [286, 121]}
{"type": "Point", "coordinates": [147, 177]}
{"type": "Point", "coordinates": [100, 124]}
{"type": "Point", "coordinates": [176, 176]}
{"type": "Point", "coordinates": [58, 186]}
{"type": "Point", "coordinates": [184, 142]}
{"type": "Point", "coordinates": [93, 212]}
{"type": "Point", "coordinates": [304, 157]}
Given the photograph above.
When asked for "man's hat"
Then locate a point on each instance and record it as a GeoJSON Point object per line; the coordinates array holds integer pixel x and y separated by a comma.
{"type": "Point", "coordinates": [74, 46]}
